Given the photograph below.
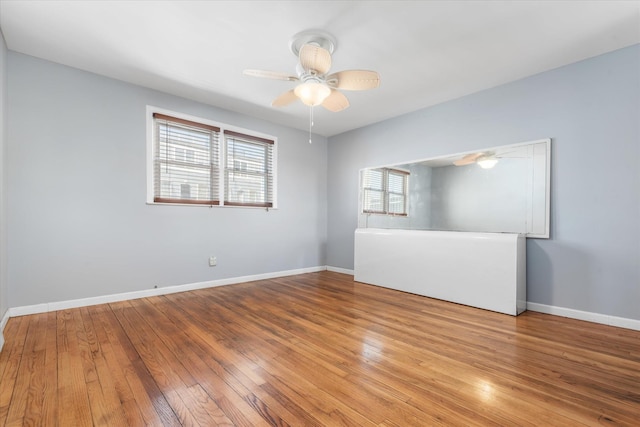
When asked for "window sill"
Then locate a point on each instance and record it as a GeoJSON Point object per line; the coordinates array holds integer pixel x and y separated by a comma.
{"type": "Point", "coordinates": [211, 206]}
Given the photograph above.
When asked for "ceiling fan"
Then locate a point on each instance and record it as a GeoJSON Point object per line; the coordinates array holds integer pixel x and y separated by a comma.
{"type": "Point", "coordinates": [485, 159]}
{"type": "Point", "coordinates": [316, 87]}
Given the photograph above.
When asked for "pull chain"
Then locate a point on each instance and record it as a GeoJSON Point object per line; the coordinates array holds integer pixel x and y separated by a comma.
{"type": "Point", "coordinates": [310, 122]}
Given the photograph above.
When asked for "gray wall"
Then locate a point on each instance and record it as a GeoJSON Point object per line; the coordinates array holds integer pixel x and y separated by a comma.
{"type": "Point", "coordinates": [79, 225]}
{"type": "Point", "coordinates": [3, 225]}
{"type": "Point", "coordinates": [591, 109]}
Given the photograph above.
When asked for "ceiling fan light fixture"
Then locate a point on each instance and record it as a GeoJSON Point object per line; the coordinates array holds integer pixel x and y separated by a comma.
{"type": "Point", "coordinates": [487, 162]}
{"type": "Point", "coordinates": [312, 93]}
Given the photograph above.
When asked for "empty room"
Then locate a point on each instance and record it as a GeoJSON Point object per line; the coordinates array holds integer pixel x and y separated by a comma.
{"type": "Point", "coordinates": [319, 213]}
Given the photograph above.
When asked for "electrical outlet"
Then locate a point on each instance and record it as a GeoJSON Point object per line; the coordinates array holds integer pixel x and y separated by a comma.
{"type": "Point", "coordinates": [213, 261]}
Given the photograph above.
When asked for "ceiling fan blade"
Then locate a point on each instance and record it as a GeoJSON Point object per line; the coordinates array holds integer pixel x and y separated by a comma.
{"type": "Point", "coordinates": [270, 75]}
{"type": "Point", "coordinates": [336, 101]}
{"type": "Point", "coordinates": [354, 80]}
{"type": "Point", "coordinates": [315, 58]}
{"type": "Point", "coordinates": [285, 99]}
{"type": "Point", "coordinates": [468, 159]}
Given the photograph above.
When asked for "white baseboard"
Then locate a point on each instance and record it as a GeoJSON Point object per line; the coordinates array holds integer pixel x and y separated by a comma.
{"type": "Point", "coordinates": [3, 323]}
{"type": "Point", "coordinates": [620, 322]}
{"type": "Point", "coordinates": [604, 319]}
{"type": "Point", "coordinates": [83, 302]}
{"type": "Point", "coordinates": [339, 270]}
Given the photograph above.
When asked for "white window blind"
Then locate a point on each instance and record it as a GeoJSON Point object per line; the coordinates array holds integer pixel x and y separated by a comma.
{"type": "Point", "coordinates": [186, 161]}
{"type": "Point", "coordinates": [396, 192]}
{"type": "Point", "coordinates": [384, 191]}
{"type": "Point", "coordinates": [373, 191]}
{"type": "Point", "coordinates": [249, 174]}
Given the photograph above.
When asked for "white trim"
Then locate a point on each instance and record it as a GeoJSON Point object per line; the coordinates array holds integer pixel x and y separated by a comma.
{"type": "Point", "coordinates": [83, 302]}
{"type": "Point", "coordinates": [620, 322]}
{"type": "Point", "coordinates": [339, 270]}
{"type": "Point", "coordinates": [547, 234]}
{"type": "Point", "coordinates": [149, 156]}
{"type": "Point", "coordinates": [3, 323]}
{"type": "Point", "coordinates": [28, 309]}
{"type": "Point", "coordinates": [213, 206]}
{"type": "Point", "coordinates": [4, 320]}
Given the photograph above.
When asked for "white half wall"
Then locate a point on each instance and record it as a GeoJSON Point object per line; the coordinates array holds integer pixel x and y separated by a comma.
{"type": "Point", "coordinates": [484, 270]}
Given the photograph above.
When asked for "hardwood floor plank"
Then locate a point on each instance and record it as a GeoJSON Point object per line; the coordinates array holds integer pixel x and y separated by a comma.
{"type": "Point", "coordinates": [11, 358]}
{"type": "Point", "coordinates": [243, 331]}
{"type": "Point", "coordinates": [72, 390]}
{"type": "Point", "coordinates": [111, 373]}
{"type": "Point", "coordinates": [446, 342]}
{"type": "Point", "coordinates": [229, 391]}
{"type": "Point", "coordinates": [325, 408]}
{"type": "Point", "coordinates": [27, 375]}
{"type": "Point", "coordinates": [163, 367]}
{"type": "Point", "coordinates": [247, 385]}
{"type": "Point", "coordinates": [106, 407]}
{"type": "Point", "coordinates": [39, 405]}
{"type": "Point", "coordinates": [316, 349]}
{"type": "Point", "coordinates": [210, 407]}
{"type": "Point", "coordinates": [137, 387]}
{"type": "Point", "coordinates": [48, 393]}
{"type": "Point", "coordinates": [310, 329]}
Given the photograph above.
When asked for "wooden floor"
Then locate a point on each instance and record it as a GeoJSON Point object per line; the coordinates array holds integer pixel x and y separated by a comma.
{"type": "Point", "coordinates": [313, 350]}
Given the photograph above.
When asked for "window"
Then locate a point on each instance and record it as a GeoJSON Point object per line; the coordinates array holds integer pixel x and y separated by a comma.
{"type": "Point", "coordinates": [384, 191]}
{"type": "Point", "coordinates": [248, 170]}
{"type": "Point", "coordinates": [192, 162]}
{"type": "Point", "coordinates": [185, 161]}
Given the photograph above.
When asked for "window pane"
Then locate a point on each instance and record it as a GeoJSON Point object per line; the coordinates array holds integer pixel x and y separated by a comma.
{"type": "Point", "coordinates": [185, 162]}
{"type": "Point", "coordinates": [175, 179]}
{"type": "Point", "coordinates": [373, 201]}
{"type": "Point", "coordinates": [248, 172]}
{"type": "Point", "coordinates": [245, 188]}
{"type": "Point", "coordinates": [396, 183]}
{"type": "Point", "coordinates": [373, 178]}
{"type": "Point", "coordinates": [396, 204]}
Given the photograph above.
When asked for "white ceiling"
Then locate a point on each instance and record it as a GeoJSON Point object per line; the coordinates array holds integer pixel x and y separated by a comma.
{"type": "Point", "coordinates": [426, 52]}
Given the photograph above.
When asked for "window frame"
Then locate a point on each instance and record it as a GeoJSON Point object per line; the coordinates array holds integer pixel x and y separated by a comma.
{"type": "Point", "coordinates": [267, 175]}
{"type": "Point", "coordinates": [151, 149]}
{"type": "Point", "coordinates": [172, 161]}
{"type": "Point", "coordinates": [385, 191]}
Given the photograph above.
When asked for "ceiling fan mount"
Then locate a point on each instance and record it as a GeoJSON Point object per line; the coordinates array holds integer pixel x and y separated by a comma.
{"type": "Point", "coordinates": [313, 37]}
